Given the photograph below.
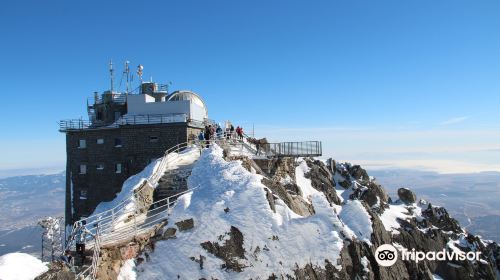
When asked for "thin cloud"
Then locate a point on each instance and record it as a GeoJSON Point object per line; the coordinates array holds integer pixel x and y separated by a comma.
{"type": "Point", "coordinates": [454, 120]}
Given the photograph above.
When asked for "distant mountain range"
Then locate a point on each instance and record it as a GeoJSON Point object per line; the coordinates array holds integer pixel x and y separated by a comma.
{"type": "Point", "coordinates": [24, 200]}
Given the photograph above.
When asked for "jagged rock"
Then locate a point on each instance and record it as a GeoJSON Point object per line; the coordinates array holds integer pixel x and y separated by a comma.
{"type": "Point", "coordinates": [144, 196]}
{"type": "Point", "coordinates": [321, 180]}
{"type": "Point", "coordinates": [169, 233]}
{"type": "Point", "coordinates": [295, 202]}
{"type": "Point", "coordinates": [439, 217]}
{"type": "Point", "coordinates": [230, 252]}
{"type": "Point", "coordinates": [129, 252]}
{"type": "Point", "coordinates": [373, 195]}
{"type": "Point", "coordinates": [407, 196]}
{"type": "Point", "coordinates": [359, 173]}
{"type": "Point", "coordinates": [185, 224]}
{"type": "Point", "coordinates": [270, 199]}
{"type": "Point", "coordinates": [57, 271]}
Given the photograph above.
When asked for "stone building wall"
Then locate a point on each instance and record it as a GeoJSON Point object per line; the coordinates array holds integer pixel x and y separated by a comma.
{"type": "Point", "coordinates": [140, 144]}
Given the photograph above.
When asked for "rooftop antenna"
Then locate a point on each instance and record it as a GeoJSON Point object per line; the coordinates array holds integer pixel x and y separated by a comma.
{"type": "Point", "coordinates": [139, 72]}
{"type": "Point", "coordinates": [111, 75]}
{"type": "Point", "coordinates": [127, 73]}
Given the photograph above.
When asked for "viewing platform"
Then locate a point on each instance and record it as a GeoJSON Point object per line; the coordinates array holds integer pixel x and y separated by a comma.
{"type": "Point", "coordinates": [80, 124]}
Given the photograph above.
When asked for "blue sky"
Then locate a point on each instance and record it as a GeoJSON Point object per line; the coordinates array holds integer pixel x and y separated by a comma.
{"type": "Point", "coordinates": [413, 84]}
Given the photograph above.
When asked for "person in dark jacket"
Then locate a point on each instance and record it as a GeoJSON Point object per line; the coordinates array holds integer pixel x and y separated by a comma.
{"type": "Point", "coordinates": [67, 258]}
{"type": "Point", "coordinates": [207, 135]}
{"type": "Point", "coordinates": [231, 129]}
{"type": "Point", "coordinates": [218, 131]}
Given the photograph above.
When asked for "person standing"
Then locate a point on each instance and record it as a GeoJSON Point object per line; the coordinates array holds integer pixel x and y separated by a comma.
{"type": "Point", "coordinates": [218, 131]}
{"type": "Point", "coordinates": [207, 135]}
{"type": "Point", "coordinates": [231, 130]}
{"type": "Point", "coordinates": [80, 238]}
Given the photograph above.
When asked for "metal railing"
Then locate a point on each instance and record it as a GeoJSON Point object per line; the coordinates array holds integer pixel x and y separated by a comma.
{"type": "Point", "coordinates": [151, 119]}
{"type": "Point", "coordinates": [292, 149]}
{"type": "Point", "coordinates": [120, 98]}
{"type": "Point", "coordinates": [80, 124]}
{"type": "Point", "coordinates": [66, 125]}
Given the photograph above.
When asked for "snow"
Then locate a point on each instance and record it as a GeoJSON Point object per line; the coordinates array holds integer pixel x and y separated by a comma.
{"type": "Point", "coordinates": [437, 277]}
{"type": "Point", "coordinates": [127, 271]}
{"type": "Point", "coordinates": [355, 216]}
{"type": "Point", "coordinates": [366, 264]}
{"type": "Point", "coordinates": [398, 211]}
{"type": "Point", "coordinates": [303, 182]}
{"type": "Point", "coordinates": [20, 266]}
{"type": "Point", "coordinates": [128, 188]}
{"type": "Point", "coordinates": [187, 156]}
{"type": "Point", "coordinates": [220, 185]}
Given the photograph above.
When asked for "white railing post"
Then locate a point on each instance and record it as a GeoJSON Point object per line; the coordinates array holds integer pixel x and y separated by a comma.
{"type": "Point", "coordinates": [135, 225]}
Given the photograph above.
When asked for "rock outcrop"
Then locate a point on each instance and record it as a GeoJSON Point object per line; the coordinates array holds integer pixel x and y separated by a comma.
{"type": "Point", "coordinates": [407, 196]}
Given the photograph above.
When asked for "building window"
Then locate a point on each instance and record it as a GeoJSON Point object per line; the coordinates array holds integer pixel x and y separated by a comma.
{"type": "Point", "coordinates": [99, 166]}
{"type": "Point", "coordinates": [117, 115]}
{"type": "Point", "coordinates": [153, 138]}
{"type": "Point", "coordinates": [83, 169]}
{"type": "Point", "coordinates": [82, 144]}
{"type": "Point", "coordinates": [118, 168]}
{"type": "Point", "coordinates": [100, 141]}
{"type": "Point", "coordinates": [118, 142]}
{"type": "Point", "coordinates": [83, 194]}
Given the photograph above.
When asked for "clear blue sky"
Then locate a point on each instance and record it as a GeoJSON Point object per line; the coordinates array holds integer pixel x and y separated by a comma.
{"type": "Point", "coordinates": [411, 84]}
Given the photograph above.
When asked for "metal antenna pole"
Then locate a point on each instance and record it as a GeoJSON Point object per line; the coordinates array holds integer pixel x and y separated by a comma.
{"type": "Point", "coordinates": [127, 73]}
{"type": "Point", "coordinates": [111, 74]}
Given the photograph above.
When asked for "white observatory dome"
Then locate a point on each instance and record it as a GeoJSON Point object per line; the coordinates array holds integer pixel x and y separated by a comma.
{"type": "Point", "coordinates": [188, 95]}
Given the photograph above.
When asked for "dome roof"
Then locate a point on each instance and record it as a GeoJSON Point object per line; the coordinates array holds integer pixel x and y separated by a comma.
{"type": "Point", "coordinates": [188, 95]}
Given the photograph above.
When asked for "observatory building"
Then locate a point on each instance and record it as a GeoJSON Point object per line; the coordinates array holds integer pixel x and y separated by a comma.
{"type": "Point", "coordinates": [124, 133]}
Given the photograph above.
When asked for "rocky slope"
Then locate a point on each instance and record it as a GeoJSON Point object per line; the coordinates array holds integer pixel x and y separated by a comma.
{"type": "Point", "coordinates": [287, 219]}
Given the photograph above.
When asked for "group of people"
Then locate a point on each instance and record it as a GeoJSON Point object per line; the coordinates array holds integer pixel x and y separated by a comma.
{"type": "Point", "coordinates": [212, 132]}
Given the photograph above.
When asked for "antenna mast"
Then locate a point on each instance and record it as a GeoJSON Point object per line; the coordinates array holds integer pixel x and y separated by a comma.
{"type": "Point", "coordinates": [127, 73]}
{"type": "Point", "coordinates": [139, 72]}
{"type": "Point", "coordinates": [111, 73]}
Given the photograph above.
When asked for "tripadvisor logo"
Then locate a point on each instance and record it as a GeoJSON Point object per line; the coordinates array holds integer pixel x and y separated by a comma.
{"type": "Point", "coordinates": [387, 255]}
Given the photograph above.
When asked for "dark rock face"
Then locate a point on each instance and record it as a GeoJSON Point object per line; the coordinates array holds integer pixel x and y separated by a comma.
{"type": "Point", "coordinates": [230, 252]}
{"type": "Point", "coordinates": [185, 224]}
{"type": "Point", "coordinates": [57, 271]}
{"type": "Point", "coordinates": [373, 194]}
{"type": "Point", "coordinates": [439, 217]}
{"type": "Point", "coordinates": [322, 180]}
{"type": "Point", "coordinates": [359, 173]}
{"type": "Point", "coordinates": [293, 201]}
{"type": "Point", "coordinates": [406, 195]}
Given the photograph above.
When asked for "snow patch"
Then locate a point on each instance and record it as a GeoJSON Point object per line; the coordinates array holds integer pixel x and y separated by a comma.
{"type": "Point", "coordinates": [398, 211]}
{"type": "Point", "coordinates": [20, 266]}
{"type": "Point", "coordinates": [304, 183]}
{"type": "Point", "coordinates": [355, 216]}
